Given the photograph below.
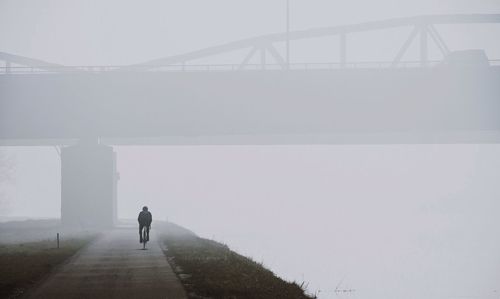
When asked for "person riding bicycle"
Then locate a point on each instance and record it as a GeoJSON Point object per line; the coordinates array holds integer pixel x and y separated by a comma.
{"type": "Point", "coordinates": [145, 218]}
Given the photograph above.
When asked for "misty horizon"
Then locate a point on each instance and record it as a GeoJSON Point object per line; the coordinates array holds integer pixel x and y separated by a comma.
{"type": "Point", "coordinates": [378, 179]}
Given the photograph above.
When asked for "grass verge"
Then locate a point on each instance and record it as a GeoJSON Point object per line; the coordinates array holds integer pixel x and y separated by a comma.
{"type": "Point", "coordinates": [209, 269]}
{"type": "Point", "coordinates": [22, 265]}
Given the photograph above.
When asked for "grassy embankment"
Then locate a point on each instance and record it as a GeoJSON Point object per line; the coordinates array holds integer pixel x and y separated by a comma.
{"type": "Point", "coordinates": [23, 265]}
{"type": "Point", "coordinates": [209, 269]}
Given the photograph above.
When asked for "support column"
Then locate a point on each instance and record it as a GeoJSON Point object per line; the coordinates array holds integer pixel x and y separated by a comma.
{"type": "Point", "coordinates": [88, 185]}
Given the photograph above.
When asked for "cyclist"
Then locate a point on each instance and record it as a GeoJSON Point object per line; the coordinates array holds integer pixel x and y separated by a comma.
{"type": "Point", "coordinates": [145, 218]}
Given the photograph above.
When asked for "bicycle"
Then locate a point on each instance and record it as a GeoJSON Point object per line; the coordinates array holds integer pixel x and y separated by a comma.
{"type": "Point", "coordinates": [145, 234]}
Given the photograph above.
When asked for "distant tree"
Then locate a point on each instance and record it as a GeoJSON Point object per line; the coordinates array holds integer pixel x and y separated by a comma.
{"type": "Point", "coordinates": [7, 163]}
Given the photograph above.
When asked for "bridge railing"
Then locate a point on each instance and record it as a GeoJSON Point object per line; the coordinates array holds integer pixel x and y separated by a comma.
{"type": "Point", "coordinates": [222, 67]}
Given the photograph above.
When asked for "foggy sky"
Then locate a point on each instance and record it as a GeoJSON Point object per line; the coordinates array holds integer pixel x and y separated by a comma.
{"type": "Point", "coordinates": [403, 221]}
{"type": "Point", "coordinates": [125, 32]}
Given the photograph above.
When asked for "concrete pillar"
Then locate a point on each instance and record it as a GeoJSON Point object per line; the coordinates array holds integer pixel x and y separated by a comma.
{"type": "Point", "coordinates": [88, 185]}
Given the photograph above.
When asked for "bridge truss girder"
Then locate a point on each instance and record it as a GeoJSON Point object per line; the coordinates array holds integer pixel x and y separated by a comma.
{"type": "Point", "coordinates": [423, 26]}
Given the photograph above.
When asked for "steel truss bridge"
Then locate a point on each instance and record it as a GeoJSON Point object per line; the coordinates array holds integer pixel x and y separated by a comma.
{"type": "Point", "coordinates": [173, 100]}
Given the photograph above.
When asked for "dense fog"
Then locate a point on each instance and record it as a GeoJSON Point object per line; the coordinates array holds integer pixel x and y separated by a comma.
{"type": "Point", "coordinates": [380, 221]}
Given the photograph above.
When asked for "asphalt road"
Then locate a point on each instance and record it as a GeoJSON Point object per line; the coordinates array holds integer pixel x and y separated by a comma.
{"type": "Point", "coordinates": [114, 266]}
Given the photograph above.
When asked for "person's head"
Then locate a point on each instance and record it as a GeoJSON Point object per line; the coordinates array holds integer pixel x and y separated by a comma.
{"type": "Point", "coordinates": [145, 209]}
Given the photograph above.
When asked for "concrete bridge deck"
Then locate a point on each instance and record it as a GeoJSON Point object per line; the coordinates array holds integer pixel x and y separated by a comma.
{"type": "Point", "coordinates": [443, 104]}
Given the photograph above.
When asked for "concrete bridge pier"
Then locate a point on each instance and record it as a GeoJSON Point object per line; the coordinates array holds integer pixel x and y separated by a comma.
{"type": "Point", "coordinates": [88, 185]}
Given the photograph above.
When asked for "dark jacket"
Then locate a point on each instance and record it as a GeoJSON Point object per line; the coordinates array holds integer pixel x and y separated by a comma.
{"type": "Point", "coordinates": [145, 218]}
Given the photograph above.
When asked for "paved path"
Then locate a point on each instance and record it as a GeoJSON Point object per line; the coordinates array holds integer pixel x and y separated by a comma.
{"type": "Point", "coordinates": [114, 266]}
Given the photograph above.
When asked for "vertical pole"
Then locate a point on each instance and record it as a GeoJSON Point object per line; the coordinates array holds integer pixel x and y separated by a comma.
{"type": "Point", "coordinates": [263, 58]}
{"type": "Point", "coordinates": [7, 67]}
{"type": "Point", "coordinates": [57, 240]}
{"type": "Point", "coordinates": [343, 54]}
{"type": "Point", "coordinates": [423, 46]}
{"type": "Point", "coordinates": [287, 34]}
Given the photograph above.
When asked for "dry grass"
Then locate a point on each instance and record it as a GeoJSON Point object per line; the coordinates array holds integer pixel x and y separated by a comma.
{"type": "Point", "coordinates": [209, 269]}
{"type": "Point", "coordinates": [23, 265]}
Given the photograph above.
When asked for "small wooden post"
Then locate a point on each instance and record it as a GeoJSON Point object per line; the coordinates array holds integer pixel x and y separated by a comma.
{"type": "Point", "coordinates": [57, 240]}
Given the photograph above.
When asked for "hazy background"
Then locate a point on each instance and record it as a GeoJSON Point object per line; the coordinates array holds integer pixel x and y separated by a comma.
{"type": "Point", "coordinates": [117, 32]}
{"type": "Point", "coordinates": [392, 221]}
